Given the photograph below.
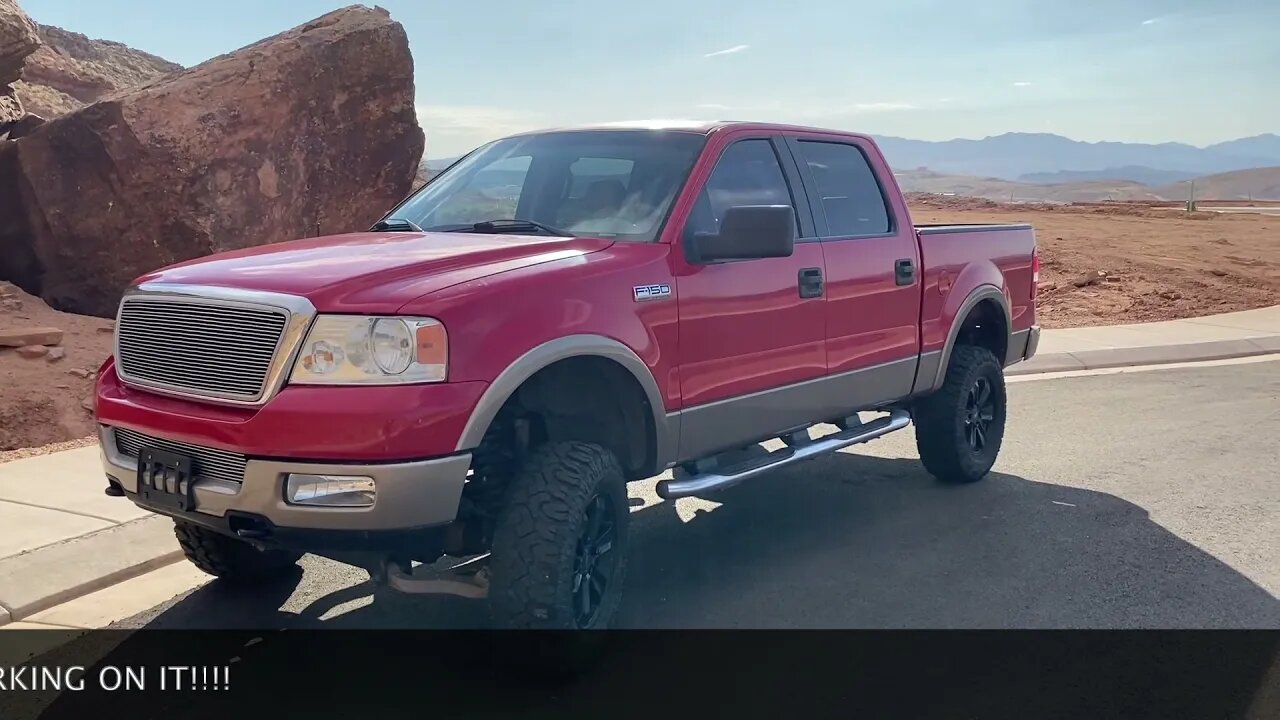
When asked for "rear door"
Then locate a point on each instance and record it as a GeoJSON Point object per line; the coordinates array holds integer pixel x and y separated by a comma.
{"type": "Point", "coordinates": [872, 265]}
{"type": "Point", "coordinates": [750, 330]}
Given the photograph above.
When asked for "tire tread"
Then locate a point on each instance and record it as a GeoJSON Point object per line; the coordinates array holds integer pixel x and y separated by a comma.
{"type": "Point", "coordinates": [537, 531]}
{"type": "Point", "coordinates": [228, 558]}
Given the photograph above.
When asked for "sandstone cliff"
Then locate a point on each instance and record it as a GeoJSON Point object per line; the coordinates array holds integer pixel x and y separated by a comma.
{"type": "Point", "coordinates": [18, 40]}
{"type": "Point", "coordinates": [70, 70]}
{"type": "Point", "coordinates": [312, 130]}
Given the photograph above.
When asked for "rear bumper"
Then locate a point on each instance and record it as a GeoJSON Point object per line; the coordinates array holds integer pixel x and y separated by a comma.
{"type": "Point", "coordinates": [410, 495]}
{"type": "Point", "coordinates": [1033, 342]}
{"type": "Point", "coordinates": [1023, 345]}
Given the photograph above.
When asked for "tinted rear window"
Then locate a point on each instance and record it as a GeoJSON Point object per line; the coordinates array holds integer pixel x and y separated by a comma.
{"type": "Point", "coordinates": [850, 194]}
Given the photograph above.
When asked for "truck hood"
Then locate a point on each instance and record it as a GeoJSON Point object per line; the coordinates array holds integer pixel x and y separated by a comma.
{"type": "Point", "coordinates": [373, 272]}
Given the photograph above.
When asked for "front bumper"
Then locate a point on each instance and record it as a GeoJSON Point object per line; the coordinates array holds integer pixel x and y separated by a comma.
{"type": "Point", "coordinates": [341, 425]}
{"type": "Point", "coordinates": [410, 495]}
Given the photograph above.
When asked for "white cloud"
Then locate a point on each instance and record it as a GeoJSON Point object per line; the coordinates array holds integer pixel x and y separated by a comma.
{"type": "Point", "coordinates": [727, 51]}
{"type": "Point", "coordinates": [454, 129]}
{"type": "Point", "coordinates": [1022, 83]}
{"type": "Point", "coordinates": [1152, 21]}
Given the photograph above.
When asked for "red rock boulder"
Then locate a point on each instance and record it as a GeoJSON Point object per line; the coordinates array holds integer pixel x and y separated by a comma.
{"type": "Point", "coordinates": [312, 130]}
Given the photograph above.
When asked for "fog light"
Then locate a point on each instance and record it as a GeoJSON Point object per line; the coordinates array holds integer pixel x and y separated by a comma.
{"type": "Point", "coordinates": [330, 490]}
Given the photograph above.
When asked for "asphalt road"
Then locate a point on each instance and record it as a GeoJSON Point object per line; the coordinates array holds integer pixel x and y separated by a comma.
{"type": "Point", "coordinates": [1135, 500]}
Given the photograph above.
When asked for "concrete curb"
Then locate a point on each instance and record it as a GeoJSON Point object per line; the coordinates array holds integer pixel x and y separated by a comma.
{"type": "Point", "coordinates": [1149, 355]}
{"type": "Point", "coordinates": [54, 574]}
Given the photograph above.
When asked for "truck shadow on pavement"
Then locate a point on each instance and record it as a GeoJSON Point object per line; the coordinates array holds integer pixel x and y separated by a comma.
{"type": "Point", "coordinates": [843, 541]}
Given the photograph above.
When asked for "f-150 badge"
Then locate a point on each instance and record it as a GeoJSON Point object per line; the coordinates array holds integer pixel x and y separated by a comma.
{"type": "Point", "coordinates": [652, 292]}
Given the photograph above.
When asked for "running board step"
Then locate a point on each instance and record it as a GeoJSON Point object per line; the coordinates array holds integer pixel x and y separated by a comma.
{"type": "Point", "coordinates": [692, 485]}
{"type": "Point", "coordinates": [469, 579]}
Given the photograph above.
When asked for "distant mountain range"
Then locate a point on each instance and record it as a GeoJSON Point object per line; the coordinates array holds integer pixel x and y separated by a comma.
{"type": "Point", "coordinates": [1252, 184]}
{"type": "Point", "coordinates": [1131, 173]}
{"type": "Point", "coordinates": [1042, 157]}
{"type": "Point", "coordinates": [1037, 166]}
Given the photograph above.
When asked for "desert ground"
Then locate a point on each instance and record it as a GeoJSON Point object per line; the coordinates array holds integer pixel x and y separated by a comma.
{"type": "Point", "coordinates": [1129, 263]}
{"type": "Point", "coordinates": [45, 399]}
{"type": "Point", "coordinates": [1101, 265]}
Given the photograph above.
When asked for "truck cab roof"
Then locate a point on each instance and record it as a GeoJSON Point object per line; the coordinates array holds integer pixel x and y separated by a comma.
{"type": "Point", "coordinates": [699, 127]}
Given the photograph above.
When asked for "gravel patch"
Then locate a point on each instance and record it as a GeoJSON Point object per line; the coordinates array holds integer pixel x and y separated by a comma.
{"type": "Point", "coordinates": [7, 455]}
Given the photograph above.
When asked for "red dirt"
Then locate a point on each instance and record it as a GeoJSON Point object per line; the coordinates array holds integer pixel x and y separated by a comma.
{"type": "Point", "coordinates": [41, 401]}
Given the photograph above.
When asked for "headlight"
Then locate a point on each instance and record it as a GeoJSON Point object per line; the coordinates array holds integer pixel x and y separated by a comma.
{"type": "Point", "coordinates": [359, 350]}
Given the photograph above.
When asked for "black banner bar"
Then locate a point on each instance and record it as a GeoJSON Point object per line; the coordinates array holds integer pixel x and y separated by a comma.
{"type": "Point", "coordinates": [792, 675]}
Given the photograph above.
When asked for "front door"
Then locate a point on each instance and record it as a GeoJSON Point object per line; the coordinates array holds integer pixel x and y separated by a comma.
{"type": "Point", "coordinates": [750, 330]}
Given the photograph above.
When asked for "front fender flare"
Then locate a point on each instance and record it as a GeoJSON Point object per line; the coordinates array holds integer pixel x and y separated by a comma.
{"type": "Point", "coordinates": [666, 428]}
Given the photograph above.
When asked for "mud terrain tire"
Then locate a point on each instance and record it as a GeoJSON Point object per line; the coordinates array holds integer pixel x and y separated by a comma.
{"type": "Point", "coordinates": [960, 427]}
{"type": "Point", "coordinates": [559, 555]}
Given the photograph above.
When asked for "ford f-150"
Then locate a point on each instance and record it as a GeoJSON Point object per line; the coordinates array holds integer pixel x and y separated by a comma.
{"type": "Point", "coordinates": [457, 398]}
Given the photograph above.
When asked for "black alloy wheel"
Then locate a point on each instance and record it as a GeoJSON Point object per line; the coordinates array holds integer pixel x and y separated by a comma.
{"type": "Point", "coordinates": [594, 562]}
{"type": "Point", "coordinates": [980, 411]}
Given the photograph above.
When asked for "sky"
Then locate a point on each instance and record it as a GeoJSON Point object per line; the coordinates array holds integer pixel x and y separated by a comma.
{"type": "Point", "coordinates": [1195, 71]}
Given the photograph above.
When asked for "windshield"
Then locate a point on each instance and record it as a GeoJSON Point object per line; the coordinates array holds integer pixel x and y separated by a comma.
{"type": "Point", "coordinates": [613, 184]}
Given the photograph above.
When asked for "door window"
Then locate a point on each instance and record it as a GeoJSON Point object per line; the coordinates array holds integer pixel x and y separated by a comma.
{"type": "Point", "coordinates": [748, 173]}
{"type": "Point", "coordinates": [851, 197]}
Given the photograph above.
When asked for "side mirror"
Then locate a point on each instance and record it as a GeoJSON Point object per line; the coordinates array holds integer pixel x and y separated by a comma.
{"type": "Point", "coordinates": [747, 232]}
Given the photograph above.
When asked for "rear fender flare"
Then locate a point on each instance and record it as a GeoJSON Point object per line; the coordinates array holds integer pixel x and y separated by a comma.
{"type": "Point", "coordinates": [980, 293]}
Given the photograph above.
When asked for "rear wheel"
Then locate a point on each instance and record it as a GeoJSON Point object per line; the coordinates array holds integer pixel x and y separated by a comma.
{"type": "Point", "coordinates": [960, 427]}
{"type": "Point", "coordinates": [231, 559]}
{"type": "Point", "coordinates": [559, 545]}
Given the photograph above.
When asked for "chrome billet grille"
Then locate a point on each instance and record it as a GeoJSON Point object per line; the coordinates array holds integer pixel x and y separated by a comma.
{"type": "Point", "coordinates": [196, 347]}
{"type": "Point", "coordinates": [207, 463]}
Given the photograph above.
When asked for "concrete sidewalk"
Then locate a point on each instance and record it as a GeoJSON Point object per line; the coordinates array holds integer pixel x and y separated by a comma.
{"type": "Point", "coordinates": [1214, 337]}
{"type": "Point", "coordinates": [63, 539]}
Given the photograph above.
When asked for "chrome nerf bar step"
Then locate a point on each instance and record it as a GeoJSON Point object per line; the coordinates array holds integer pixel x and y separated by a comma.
{"type": "Point", "coordinates": [691, 485]}
{"type": "Point", "coordinates": [469, 579]}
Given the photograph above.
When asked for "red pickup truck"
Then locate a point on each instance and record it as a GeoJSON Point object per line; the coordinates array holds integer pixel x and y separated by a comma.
{"type": "Point", "coordinates": [556, 314]}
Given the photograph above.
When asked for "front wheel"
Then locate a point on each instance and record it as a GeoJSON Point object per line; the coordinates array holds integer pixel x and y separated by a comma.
{"type": "Point", "coordinates": [559, 546]}
{"type": "Point", "coordinates": [960, 427]}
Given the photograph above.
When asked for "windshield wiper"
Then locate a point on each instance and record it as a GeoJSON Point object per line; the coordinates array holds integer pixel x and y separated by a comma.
{"type": "Point", "coordinates": [511, 225]}
{"type": "Point", "coordinates": [395, 225]}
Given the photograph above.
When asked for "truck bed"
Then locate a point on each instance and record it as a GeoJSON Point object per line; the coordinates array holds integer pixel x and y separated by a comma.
{"type": "Point", "coordinates": [969, 255]}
